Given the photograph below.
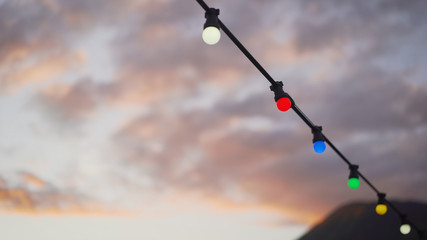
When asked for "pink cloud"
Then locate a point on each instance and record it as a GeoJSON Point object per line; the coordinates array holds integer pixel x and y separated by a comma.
{"type": "Point", "coordinates": [46, 69]}
{"type": "Point", "coordinates": [71, 100]}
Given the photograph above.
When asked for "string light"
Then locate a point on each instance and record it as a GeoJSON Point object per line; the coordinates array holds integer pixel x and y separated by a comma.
{"type": "Point", "coordinates": [405, 228]}
{"type": "Point", "coordinates": [381, 208]}
{"type": "Point", "coordinates": [285, 102]}
{"type": "Point", "coordinates": [353, 178]}
{"type": "Point", "coordinates": [211, 34]}
{"type": "Point", "coordinates": [319, 145]}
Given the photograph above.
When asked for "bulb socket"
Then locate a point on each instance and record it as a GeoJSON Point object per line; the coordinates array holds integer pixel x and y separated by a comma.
{"type": "Point", "coordinates": [353, 171]}
{"type": "Point", "coordinates": [211, 18]}
{"type": "Point", "coordinates": [317, 134]}
{"type": "Point", "coordinates": [277, 88]}
{"type": "Point", "coordinates": [381, 198]}
{"type": "Point", "coordinates": [404, 219]}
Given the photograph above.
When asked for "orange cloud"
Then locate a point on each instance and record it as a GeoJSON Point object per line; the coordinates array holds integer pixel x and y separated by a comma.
{"type": "Point", "coordinates": [33, 180]}
{"type": "Point", "coordinates": [48, 200]}
{"type": "Point", "coordinates": [271, 166]}
{"type": "Point", "coordinates": [70, 100]}
{"type": "Point", "coordinates": [22, 201]}
{"type": "Point", "coordinates": [148, 86]}
{"type": "Point", "coordinates": [45, 69]}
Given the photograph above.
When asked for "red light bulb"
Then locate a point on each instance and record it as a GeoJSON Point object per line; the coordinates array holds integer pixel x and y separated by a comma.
{"type": "Point", "coordinates": [284, 104]}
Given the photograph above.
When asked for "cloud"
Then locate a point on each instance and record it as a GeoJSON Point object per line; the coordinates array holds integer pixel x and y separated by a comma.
{"type": "Point", "coordinates": [45, 69]}
{"type": "Point", "coordinates": [209, 151]}
{"type": "Point", "coordinates": [31, 179]}
{"type": "Point", "coordinates": [70, 100]}
{"type": "Point", "coordinates": [241, 143]}
{"type": "Point", "coordinates": [38, 38]}
{"type": "Point", "coordinates": [20, 32]}
{"type": "Point", "coordinates": [34, 196]}
{"type": "Point", "coordinates": [335, 23]}
{"type": "Point", "coordinates": [206, 121]}
{"type": "Point", "coordinates": [372, 100]}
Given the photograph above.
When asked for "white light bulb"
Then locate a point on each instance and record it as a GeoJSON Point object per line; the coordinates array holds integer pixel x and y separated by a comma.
{"type": "Point", "coordinates": [405, 228]}
{"type": "Point", "coordinates": [211, 35]}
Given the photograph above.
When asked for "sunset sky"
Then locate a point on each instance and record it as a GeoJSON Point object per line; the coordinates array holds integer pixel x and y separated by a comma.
{"type": "Point", "coordinates": [118, 122]}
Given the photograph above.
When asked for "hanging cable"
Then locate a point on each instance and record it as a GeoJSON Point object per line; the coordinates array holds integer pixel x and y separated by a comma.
{"type": "Point", "coordinates": [284, 102]}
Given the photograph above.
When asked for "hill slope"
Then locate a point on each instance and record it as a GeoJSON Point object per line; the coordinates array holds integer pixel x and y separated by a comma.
{"type": "Point", "coordinates": [359, 221]}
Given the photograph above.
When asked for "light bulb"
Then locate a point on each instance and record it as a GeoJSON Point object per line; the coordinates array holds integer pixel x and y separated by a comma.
{"type": "Point", "coordinates": [283, 101]}
{"type": "Point", "coordinates": [353, 183]}
{"type": "Point", "coordinates": [353, 179]}
{"type": "Point", "coordinates": [284, 104]}
{"type": "Point", "coordinates": [211, 35]}
{"type": "Point", "coordinates": [381, 209]}
{"type": "Point", "coordinates": [319, 146]}
{"type": "Point", "coordinates": [405, 228]}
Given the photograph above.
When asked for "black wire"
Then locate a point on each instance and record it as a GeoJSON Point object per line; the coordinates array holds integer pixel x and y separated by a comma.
{"type": "Point", "coordinates": [240, 46]}
{"type": "Point", "coordinates": [337, 151]}
{"type": "Point", "coordinates": [368, 182]}
{"type": "Point", "coordinates": [246, 52]}
{"type": "Point", "coordinates": [303, 116]}
{"type": "Point", "coordinates": [203, 4]}
{"type": "Point", "coordinates": [299, 112]}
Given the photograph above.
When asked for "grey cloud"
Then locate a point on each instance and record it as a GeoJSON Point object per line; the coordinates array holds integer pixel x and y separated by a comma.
{"type": "Point", "coordinates": [33, 31]}
{"type": "Point", "coordinates": [70, 101]}
{"type": "Point", "coordinates": [331, 23]}
{"type": "Point", "coordinates": [371, 100]}
{"type": "Point", "coordinates": [22, 27]}
{"type": "Point", "coordinates": [275, 165]}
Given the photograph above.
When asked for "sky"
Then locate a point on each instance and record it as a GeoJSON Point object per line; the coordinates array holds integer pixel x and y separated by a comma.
{"type": "Point", "coordinates": [119, 121]}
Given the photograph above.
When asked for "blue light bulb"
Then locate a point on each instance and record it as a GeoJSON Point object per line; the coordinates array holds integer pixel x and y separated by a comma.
{"type": "Point", "coordinates": [319, 146]}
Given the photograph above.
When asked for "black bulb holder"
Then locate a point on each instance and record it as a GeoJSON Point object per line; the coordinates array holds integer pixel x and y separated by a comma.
{"type": "Point", "coordinates": [353, 171]}
{"type": "Point", "coordinates": [381, 198]}
{"type": "Point", "coordinates": [211, 18]}
{"type": "Point", "coordinates": [317, 134]}
{"type": "Point", "coordinates": [404, 219]}
{"type": "Point", "coordinates": [277, 88]}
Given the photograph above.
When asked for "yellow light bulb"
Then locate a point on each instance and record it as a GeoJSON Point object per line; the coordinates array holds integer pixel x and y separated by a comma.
{"type": "Point", "coordinates": [381, 209]}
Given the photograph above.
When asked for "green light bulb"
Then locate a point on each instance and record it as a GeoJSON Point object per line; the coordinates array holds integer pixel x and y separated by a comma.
{"type": "Point", "coordinates": [353, 183]}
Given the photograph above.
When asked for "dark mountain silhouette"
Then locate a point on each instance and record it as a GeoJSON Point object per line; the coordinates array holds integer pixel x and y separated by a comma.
{"type": "Point", "coordinates": [359, 221]}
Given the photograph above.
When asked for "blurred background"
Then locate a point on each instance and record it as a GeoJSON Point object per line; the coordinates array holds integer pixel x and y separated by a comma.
{"type": "Point", "coordinates": [118, 121]}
